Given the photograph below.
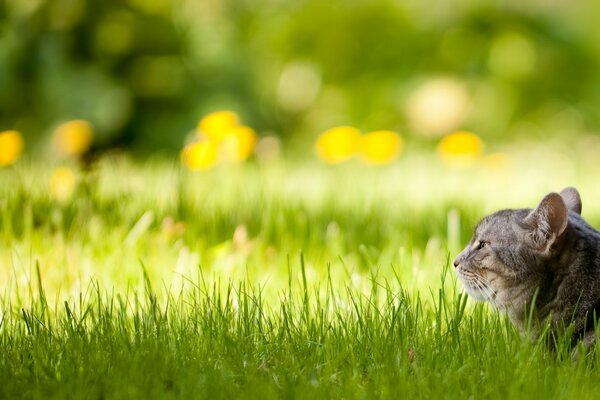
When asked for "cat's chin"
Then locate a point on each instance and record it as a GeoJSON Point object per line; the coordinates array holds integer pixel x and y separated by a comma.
{"type": "Point", "coordinates": [476, 294]}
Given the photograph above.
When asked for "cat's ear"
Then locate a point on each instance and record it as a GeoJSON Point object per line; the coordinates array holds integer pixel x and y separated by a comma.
{"type": "Point", "coordinates": [572, 200]}
{"type": "Point", "coordinates": [547, 222]}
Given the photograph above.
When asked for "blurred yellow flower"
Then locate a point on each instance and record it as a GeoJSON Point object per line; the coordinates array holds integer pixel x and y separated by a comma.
{"type": "Point", "coordinates": [73, 137]}
{"type": "Point", "coordinates": [380, 147]}
{"type": "Point", "coordinates": [238, 144]}
{"type": "Point", "coordinates": [337, 144]}
{"type": "Point", "coordinates": [62, 184]}
{"type": "Point", "coordinates": [222, 139]}
{"type": "Point", "coordinates": [200, 155]}
{"type": "Point", "coordinates": [460, 149]}
{"type": "Point", "coordinates": [11, 146]}
{"type": "Point", "coordinates": [216, 126]}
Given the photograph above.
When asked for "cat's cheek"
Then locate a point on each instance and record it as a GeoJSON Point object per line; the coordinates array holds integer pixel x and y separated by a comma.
{"type": "Point", "coordinates": [475, 294]}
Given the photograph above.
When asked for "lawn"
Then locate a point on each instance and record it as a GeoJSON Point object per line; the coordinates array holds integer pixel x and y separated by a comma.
{"type": "Point", "coordinates": [276, 280]}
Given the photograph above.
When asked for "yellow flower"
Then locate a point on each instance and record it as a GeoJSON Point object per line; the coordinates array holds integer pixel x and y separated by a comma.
{"type": "Point", "coordinates": [200, 155]}
{"type": "Point", "coordinates": [225, 140]}
{"type": "Point", "coordinates": [61, 184]}
{"type": "Point", "coordinates": [337, 144]}
{"type": "Point", "coordinates": [217, 125]}
{"type": "Point", "coordinates": [11, 146]}
{"type": "Point", "coordinates": [380, 147]}
{"type": "Point", "coordinates": [73, 137]}
{"type": "Point", "coordinates": [460, 149]}
{"type": "Point", "coordinates": [238, 144]}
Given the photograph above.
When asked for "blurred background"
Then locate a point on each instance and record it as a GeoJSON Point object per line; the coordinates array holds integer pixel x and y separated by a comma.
{"type": "Point", "coordinates": [471, 106]}
{"type": "Point", "coordinates": [143, 73]}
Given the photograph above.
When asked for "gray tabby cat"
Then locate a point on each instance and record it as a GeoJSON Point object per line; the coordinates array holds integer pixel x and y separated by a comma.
{"type": "Point", "coordinates": [549, 252]}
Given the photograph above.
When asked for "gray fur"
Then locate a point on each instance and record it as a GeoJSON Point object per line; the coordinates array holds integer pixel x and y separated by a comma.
{"type": "Point", "coordinates": [550, 250]}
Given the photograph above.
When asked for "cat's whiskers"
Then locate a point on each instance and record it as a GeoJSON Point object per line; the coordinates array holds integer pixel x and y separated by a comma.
{"type": "Point", "coordinates": [477, 285]}
{"type": "Point", "coordinates": [486, 287]}
{"type": "Point", "coordinates": [487, 290]}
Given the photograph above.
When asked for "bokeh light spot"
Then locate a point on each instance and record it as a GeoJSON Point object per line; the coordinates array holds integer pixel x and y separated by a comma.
{"type": "Point", "coordinates": [512, 55]}
{"type": "Point", "coordinates": [438, 106]}
{"type": "Point", "coordinates": [299, 86]}
{"type": "Point", "coordinates": [114, 34]}
{"type": "Point", "coordinates": [268, 149]}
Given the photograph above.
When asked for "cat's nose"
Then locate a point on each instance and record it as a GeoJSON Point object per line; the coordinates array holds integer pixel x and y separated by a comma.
{"type": "Point", "coordinates": [455, 263]}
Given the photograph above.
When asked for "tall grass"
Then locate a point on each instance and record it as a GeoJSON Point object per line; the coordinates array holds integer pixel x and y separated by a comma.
{"type": "Point", "coordinates": [218, 341]}
{"type": "Point", "coordinates": [336, 285]}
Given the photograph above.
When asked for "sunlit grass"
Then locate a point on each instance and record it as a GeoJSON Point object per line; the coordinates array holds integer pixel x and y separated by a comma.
{"type": "Point", "coordinates": [267, 280]}
{"type": "Point", "coordinates": [218, 340]}
{"type": "Point", "coordinates": [351, 217]}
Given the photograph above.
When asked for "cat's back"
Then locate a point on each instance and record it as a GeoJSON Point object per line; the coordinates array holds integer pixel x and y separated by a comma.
{"type": "Point", "coordinates": [577, 268]}
{"type": "Point", "coordinates": [582, 229]}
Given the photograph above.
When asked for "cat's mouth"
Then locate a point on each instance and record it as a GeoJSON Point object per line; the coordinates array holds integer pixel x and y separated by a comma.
{"type": "Point", "coordinates": [476, 286]}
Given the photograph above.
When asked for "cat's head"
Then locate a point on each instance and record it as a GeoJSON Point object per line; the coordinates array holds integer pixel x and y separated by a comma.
{"type": "Point", "coordinates": [503, 262]}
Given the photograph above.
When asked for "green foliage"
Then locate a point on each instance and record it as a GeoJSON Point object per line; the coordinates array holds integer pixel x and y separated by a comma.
{"type": "Point", "coordinates": [218, 342]}
{"type": "Point", "coordinates": [144, 72]}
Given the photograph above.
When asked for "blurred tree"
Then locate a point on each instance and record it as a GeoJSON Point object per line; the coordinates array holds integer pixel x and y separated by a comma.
{"type": "Point", "coordinates": [143, 72]}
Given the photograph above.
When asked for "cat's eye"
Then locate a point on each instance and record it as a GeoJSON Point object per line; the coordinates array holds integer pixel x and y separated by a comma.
{"type": "Point", "coordinates": [482, 244]}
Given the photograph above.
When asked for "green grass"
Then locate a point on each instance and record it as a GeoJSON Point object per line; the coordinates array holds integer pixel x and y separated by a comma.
{"type": "Point", "coordinates": [338, 288]}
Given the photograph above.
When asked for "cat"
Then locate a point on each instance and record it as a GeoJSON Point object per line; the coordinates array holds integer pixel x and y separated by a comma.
{"type": "Point", "coordinates": [545, 261]}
